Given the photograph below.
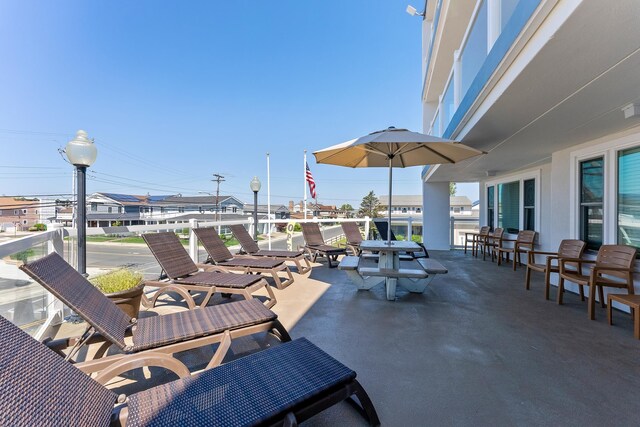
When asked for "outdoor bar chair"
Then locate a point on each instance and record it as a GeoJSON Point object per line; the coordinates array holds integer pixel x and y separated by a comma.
{"type": "Point", "coordinates": [185, 276]}
{"type": "Point", "coordinates": [250, 247]}
{"type": "Point", "coordinates": [383, 228]}
{"type": "Point", "coordinates": [354, 238]}
{"type": "Point", "coordinates": [282, 385]}
{"type": "Point", "coordinates": [315, 245]}
{"type": "Point", "coordinates": [151, 336]}
{"type": "Point", "coordinates": [568, 248]}
{"type": "Point", "coordinates": [613, 267]}
{"type": "Point", "coordinates": [220, 255]}
{"type": "Point", "coordinates": [522, 244]}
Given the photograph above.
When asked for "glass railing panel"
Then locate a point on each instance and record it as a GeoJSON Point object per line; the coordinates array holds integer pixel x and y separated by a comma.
{"type": "Point", "coordinates": [448, 105]}
{"type": "Point", "coordinates": [435, 129]}
{"type": "Point", "coordinates": [507, 7]}
{"type": "Point", "coordinates": [460, 226]}
{"type": "Point", "coordinates": [475, 50]}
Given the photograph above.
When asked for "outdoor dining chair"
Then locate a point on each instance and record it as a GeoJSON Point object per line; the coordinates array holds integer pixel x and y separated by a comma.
{"type": "Point", "coordinates": [151, 336]}
{"type": "Point", "coordinates": [283, 385]}
{"type": "Point", "coordinates": [383, 228]}
{"type": "Point", "coordinates": [220, 256]}
{"type": "Point", "coordinates": [315, 245]}
{"type": "Point", "coordinates": [493, 242]}
{"type": "Point", "coordinates": [613, 268]}
{"type": "Point", "coordinates": [474, 237]}
{"type": "Point", "coordinates": [250, 247]}
{"type": "Point", "coordinates": [185, 276]}
{"type": "Point", "coordinates": [568, 248]}
{"type": "Point", "coordinates": [522, 244]}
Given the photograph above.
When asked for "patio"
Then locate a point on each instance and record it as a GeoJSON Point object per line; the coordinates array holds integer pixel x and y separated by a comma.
{"type": "Point", "coordinates": [475, 348]}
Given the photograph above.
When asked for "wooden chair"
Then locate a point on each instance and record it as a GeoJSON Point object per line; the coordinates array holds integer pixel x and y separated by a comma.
{"type": "Point", "coordinates": [493, 241]}
{"type": "Point", "coordinates": [523, 243]}
{"type": "Point", "coordinates": [568, 249]}
{"type": "Point", "coordinates": [472, 237]}
{"type": "Point", "coordinates": [483, 241]}
{"type": "Point", "coordinates": [613, 268]}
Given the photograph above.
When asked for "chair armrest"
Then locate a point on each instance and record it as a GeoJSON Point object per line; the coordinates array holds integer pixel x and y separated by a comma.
{"type": "Point", "coordinates": [602, 268]}
{"type": "Point", "coordinates": [543, 253]}
{"type": "Point", "coordinates": [580, 261]}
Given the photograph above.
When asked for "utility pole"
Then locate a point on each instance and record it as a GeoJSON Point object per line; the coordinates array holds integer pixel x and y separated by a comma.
{"type": "Point", "coordinates": [218, 179]}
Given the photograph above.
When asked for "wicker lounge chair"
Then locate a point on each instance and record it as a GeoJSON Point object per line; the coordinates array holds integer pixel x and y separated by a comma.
{"type": "Point", "coordinates": [151, 336]}
{"type": "Point", "coordinates": [354, 238]}
{"type": "Point", "coordinates": [285, 384]}
{"type": "Point", "coordinates": [185, 276]}
{"type": "Point", "coordinates": [568, 249]}
{"type": "Point", "coordinates": [315, 245]}
{"type": "Point", "coordinates": [250, 247]}
{"type": "Point", "coordinates": [383, 228]}
{"type": "Point", "coordinates": [219, 255]}
{"type": "Point", "coordinates": [613, 268]}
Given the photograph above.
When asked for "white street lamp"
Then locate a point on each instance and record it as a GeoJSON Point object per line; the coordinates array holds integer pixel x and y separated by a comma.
{"type": "Point", "coordinates": [255, 187]}
{"type": "Point", "coordinates": [81, 152]}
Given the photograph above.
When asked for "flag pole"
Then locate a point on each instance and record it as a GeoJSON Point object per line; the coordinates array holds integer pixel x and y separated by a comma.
{"type": "Point", "coordinates": [269, 200]}
{"type": "Point", "coordinates": [304, 182]}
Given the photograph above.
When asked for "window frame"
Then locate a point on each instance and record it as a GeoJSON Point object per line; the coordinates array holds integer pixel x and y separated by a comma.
{"type": "Point", "coordinates": [521, 178]}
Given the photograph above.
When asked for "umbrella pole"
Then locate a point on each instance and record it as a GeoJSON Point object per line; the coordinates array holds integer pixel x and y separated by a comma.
{"type": "Point", "coordinates": [390, 189]}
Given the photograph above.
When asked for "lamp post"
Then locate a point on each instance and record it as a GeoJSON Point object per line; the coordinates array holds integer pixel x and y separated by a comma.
{"type": "Point", "coordinates": [81, 152]}
{"type": "Point", "coordinates": [255, 187]}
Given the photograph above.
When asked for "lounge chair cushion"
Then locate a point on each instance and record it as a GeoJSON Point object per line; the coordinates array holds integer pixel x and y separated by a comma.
{"type": "Point", "coordinates": [32, 374]}
{"type": "Point", "coordinates": [247, 391]}
{"type": "Point", "coordinates": [227, 280]}
{"type": "Point", "coordinates": [157, 331]}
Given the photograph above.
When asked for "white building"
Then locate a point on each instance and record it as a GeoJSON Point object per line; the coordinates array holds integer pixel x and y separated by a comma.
{"type": "Point", "coordinates": [550, 89]}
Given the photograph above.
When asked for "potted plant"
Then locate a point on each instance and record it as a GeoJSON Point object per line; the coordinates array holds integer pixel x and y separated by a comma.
{"type": "Point", "coordinates": [124, 287]}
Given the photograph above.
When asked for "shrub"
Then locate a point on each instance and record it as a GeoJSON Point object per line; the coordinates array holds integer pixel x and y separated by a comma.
{"type": "Point", "coordinates": [38, 227]}
{"type": "Point", "coordinates": [24, 255]}
{"type": "Point", "coordinates": [117, 281]}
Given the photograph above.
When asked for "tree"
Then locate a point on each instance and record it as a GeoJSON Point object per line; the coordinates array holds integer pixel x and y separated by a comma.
{"type": "Point", "coordinates": [452, 189]}
{"type": "Point", "coordinates": [347, 209]}
{"type": "Point", "coordinates": [369, 206]}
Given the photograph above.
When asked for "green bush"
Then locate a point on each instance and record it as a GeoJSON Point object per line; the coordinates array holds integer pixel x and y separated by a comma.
{"type": "Point", "coordinates": [38, 227]}
{"type": "Point", "coordinates": [24, 255]}
{"type": "Point", "coordinates": [117, 281]}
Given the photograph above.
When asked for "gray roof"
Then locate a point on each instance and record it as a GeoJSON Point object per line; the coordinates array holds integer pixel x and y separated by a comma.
{"type": "Point", "coordinates": [401, 200]}
{"type": "Point", "coordinates": [459, 201]}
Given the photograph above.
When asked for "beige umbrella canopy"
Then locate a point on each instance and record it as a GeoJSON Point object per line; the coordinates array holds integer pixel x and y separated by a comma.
{"type": "Point", "coordinates": [395, 148]}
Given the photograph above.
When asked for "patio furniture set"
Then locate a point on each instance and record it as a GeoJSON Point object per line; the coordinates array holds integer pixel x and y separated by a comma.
{"type": "Point", "coordinates": [282, 385]}
{"type": "Point", "coordinates": [613, 267]}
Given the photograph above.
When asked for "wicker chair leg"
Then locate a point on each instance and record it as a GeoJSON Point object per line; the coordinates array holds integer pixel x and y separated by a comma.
{"type": "Point", "coordinates": [527, 280]}
{"type": "Point", "coordinates": [560, 290]}
{"type": "Point", "coordinates": [547, 283]}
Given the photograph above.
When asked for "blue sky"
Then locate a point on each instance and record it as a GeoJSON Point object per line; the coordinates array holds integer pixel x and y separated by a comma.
{"type": "Point", "coordinates": [173, 92]}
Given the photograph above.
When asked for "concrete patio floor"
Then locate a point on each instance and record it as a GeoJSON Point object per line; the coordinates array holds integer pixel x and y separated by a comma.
{"type": "Point", "coordinates": [475, 349]}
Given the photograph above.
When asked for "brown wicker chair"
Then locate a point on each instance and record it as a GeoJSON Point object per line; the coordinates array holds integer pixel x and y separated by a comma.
{"type": "Point", "coordinates": [151, 336]}
{"type": "Point", "coordinates": [314, 244]}
{"type": "Point", "coordinates": [250, 247]}
{"type": "Point", "coordinates": [522, 244]}
{"type": "Point", "coordinates": [568, 249]}
{"type": "Point", "coordinates": [354, 238]}
{"type": "Point", "coordinates": [185, 276]}
{"type": "Point", "coordinates": [220, 255]}
{"type": "Point", "coordinates": [282, 385]}
{"type": "Point", "coordinates": [613, 267]}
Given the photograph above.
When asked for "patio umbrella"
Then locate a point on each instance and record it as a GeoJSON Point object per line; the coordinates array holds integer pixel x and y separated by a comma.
{"type": "Point", "coordinates": [395, 148]}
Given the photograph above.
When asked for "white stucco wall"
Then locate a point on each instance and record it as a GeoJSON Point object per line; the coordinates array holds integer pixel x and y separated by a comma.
{"type": "Point", "coordinates": [436, 218]}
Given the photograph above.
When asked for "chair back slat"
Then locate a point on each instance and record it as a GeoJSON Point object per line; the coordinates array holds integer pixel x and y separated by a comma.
{"type": "Point", "coordinates": [72, 288]}
{"type": "Point", "coordinates": [39, 388]}
{"type": "Point", "coordinates": [571, 248]}
{"type": "Point", "coordinates": [526, 237]}
{"type": "Point", "coordinates": [484, 230]}
{"type": "Point", "coordinates": [311, 233]}
{"type": "Point", "coordinates": [213, 244]}
{"type": "Point", "coordinates": [617, 256]}
{"type": "Point", "coordinates": [498, 234]}
{"type": "Point", "coordinates": [352, 232]}
{"type": "Point", "coordinates": [170, 254]}
{"type": "Point", "coordinates": [244, 238]}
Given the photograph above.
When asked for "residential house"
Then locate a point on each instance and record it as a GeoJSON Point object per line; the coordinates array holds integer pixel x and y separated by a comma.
{"type": "Point", "coordinates": [18, 213]}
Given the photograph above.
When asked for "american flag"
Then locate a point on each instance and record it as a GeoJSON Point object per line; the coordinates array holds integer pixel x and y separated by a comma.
{"type": "Point", "coordinates": [312, 183]}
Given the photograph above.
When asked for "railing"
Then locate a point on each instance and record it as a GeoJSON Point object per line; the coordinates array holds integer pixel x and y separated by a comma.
{"type": "Point", "coordinates": [28, 305]}
{"type": "Point", "coordinates": [458, 227]}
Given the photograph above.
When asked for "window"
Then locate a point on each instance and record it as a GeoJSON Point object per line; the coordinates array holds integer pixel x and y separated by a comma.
{"type": "Point", "coordinates": [94, 207]}
{"type": "Point", "coordinates": [224, 209]}
{"type": "Point", "coordinates": [119, 209]}
{"type": "Point", "coordinates": [404, 210]}
{"type": "Point", "coordinates": [15, 212]}
{"type": "Point", "coordinates": [629, 197]}
{"type": "Point", "coordinates": [24, 211]}
{"type": "Point", "coordinates": [418, 210]}
{"type": "Point", "coordinates": [529, 207]}
{"type": "Point", "coordinates": [234, 209]}
{"type": "Point", "coordinates": [490, 205]}
{"type": "Point", "coordinates": [180, 209]}
{"type": "Point", "coordinates": [591, 202]}
{"type": "Point", "coordinates": [109, 209]}
{"type": "Point", "coordinates": [509, 206]}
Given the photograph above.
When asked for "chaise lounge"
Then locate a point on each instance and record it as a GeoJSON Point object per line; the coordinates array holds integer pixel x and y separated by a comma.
{"type": "Point", "coordinates": [283, 385]}
{"type": "Point", "coordinates": [156, 337]}
{"type": "Point", "coordinates": [315, 245]}
{"type": "Point", "coordinates": [251, 247]}
{"type": "Point", "coordinates": [220, 255]}
{"type": "Point", "coordinates": [354, 238]}
{"type": "Point", "coordinates": [185, 276]}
